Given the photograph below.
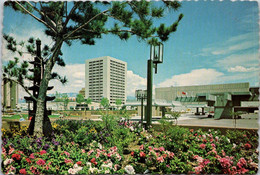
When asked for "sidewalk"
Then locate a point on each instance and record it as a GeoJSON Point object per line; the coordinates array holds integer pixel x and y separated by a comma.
{"type": "Point", "coordinates": [203, 120]}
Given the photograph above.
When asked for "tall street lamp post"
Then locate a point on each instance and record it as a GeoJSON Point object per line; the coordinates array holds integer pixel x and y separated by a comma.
{"type": "Point", "coordinates": [156, 57]}
{"type": "Point", "coordinates": [141, 95]}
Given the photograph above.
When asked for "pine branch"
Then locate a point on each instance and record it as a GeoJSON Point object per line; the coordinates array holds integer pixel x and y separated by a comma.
{"type": "Point", "coordinates": [38, 19]}
{"type": "Point", "coordinates": [71, 11]}
{"type": "Point", "coordinates": [83, 25]}
{"type": "Point", "coordinates": [43, 14]}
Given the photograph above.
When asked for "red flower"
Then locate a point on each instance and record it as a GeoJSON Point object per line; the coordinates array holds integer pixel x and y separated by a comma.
{"type": "Point", "coordinates": [79, 163]}
{"type": "Point", "coordinates": [16, 156]}
{"type": "Point", "coordinates": [202, 146]}
{"type": "Point", "coordinates": [247, 146]}
{"type": "Point", "coordinates": [28, 160]}
{"type": "Point", "coordinates": [132, 153]}
{"type": "Point", "coordinates": [40, 162]}
{"type": "Point", "coordinates": [142, 154]}
{"type": "Point", "coordinates": [93, 160]}
{"type": "Point", "coordinates": [22, 171]}
{"type": "Point", "coordinates": [43, 152]}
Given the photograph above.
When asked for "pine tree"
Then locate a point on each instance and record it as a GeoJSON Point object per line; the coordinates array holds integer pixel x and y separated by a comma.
{"type": "Point", "coordinates": [86, 21]}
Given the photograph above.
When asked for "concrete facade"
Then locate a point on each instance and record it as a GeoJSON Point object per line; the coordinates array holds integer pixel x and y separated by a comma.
{"type": "Point", "coordinates": [225, 98]}
{"type": "Point", "coordinates": [82, 92]}
{"type": "Point", "coordinates": [105, 77]}
{"type": "Point", "coordinates": [9, 95]}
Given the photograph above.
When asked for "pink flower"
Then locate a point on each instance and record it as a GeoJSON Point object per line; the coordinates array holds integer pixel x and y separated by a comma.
{"type": "Point", "coordinates": [40, 162]}
{"type": "Point", "coordinates": [32, 156]}
{"type": "Point", "coordinates": [205, 162]}
{"type": "Point", "coordinates": [33, 169]}
{"type": "Point", "coordinates": [141, 147]}
{"type": "Point", "coordinates": [213, 145]}
{"type": "Point", "coordinates": [11, 170]}
{"type": "Point", "coordinates": [160, 159]}
{"type": "Point", "coordinates": [68, 161]}
{"type": "Point", "coordinates": [11, 150]}
{"type": "Point", "coordinates": [242, 171]}
{"type": "Point", "coordinates": [142, 154]}
{"type": "Point", "coordinates": [43, 152]}
{"type": "Point", "coordinates": [226, 162]}
{"type": "Point", "coordinates": [109, 154]}
{"type": "Point", "coordinates": [241, 162]}
{"type": "Point", "coordinates": [91, 151]}
{"type": "Point", "coordinates": [223, 152]}
{"type": "Point", "coordinates": [83, 151]}
{"type": "Point", "coordinates": [247, 146]}
{"type": "Point", "coordinates": [202, 146]}
{"type": "Point", "coordinates": [198, 169]}
{"type": "Point", "coordinates": [66, 153]}
{"type": "Point", "coordinates": [171, 155]}
{"type": "Point", "coordinates": [161, 148]}
{"type": "Point", "coordinates": [3, 151]}
{"type": "Point", "coordinates": [97, 155]}
{"type": "Point", "coordinates": [150, 148]}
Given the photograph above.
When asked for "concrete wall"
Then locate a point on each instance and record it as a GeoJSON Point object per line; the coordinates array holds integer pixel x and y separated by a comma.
{"type": "Point", "coordinates": [170, 93]}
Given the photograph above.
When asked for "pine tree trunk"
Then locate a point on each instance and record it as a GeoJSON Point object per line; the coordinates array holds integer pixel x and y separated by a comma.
{"type": "Point", "coordinates": [42, 125]}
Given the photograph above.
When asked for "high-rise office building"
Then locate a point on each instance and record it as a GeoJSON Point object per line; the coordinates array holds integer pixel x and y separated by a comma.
{"type": "Point", "coordinates": [9, 95]}
{"type": "Point", "coordinates": [105, 77]}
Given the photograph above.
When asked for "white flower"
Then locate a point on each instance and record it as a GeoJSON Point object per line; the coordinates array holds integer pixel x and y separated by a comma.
{"type": "Point", "coordinates": [209, 130]}
{"type": "Point", "coordinates": [79, 168]}
{"type": "Point", "coordinates": [8, 161]}
{"type": "Point", "coordinates": [110, 165]}
{"type": "Point", "coordinates": [131, 128]}
{"type": "Point", "coordinates": [100, 146]}
{"type": "Point", "coordinates": [234, 146]}
{"type": "Point", "coordinates": [72, 171]}
{"type": "Point", "coordinates": [75, 166]}
{"type": "Point", "coordinates": [228, 140]}
{"type": "Point", "coordinates": [107, 171]}
{"type": "Point", "coordinates": [216, 138]}
{"type": "Point", "coordinates": [93, 170]}
{"type": "Point", "coordinates": [129, 169]}
{"type": "Point", "coordinates": [88, 164]}
{"type": "Point", "coordinates": [203, 136]}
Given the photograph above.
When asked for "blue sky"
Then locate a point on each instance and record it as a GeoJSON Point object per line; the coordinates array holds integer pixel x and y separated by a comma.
{"type": "Point", "coordinates": [216, 42]}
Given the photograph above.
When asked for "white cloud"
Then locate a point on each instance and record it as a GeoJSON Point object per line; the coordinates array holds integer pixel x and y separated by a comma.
{"type": "Point", "coordinates": [134, 82]}
{"type": "Point", "coordinates": [242, 69]}
{"type": "Point", "coordinates": [232, 45]}
{"type": "Point", "coordinates": [75, 74]}
{"type": "Point", "coordinates": [245, 60]}
{"type": "Point", "coordinates": [24, 35]}
{"type": "Point", "coordinates": [195, 77]}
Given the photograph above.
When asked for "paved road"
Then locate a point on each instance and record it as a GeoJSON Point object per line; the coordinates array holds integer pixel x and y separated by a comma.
{"type": "Point", "coordinates": [247, 122]}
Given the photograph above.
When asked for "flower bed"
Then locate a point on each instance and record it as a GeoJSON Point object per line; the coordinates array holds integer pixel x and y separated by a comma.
{"type": "Point", "coordinates": [119, 147]}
